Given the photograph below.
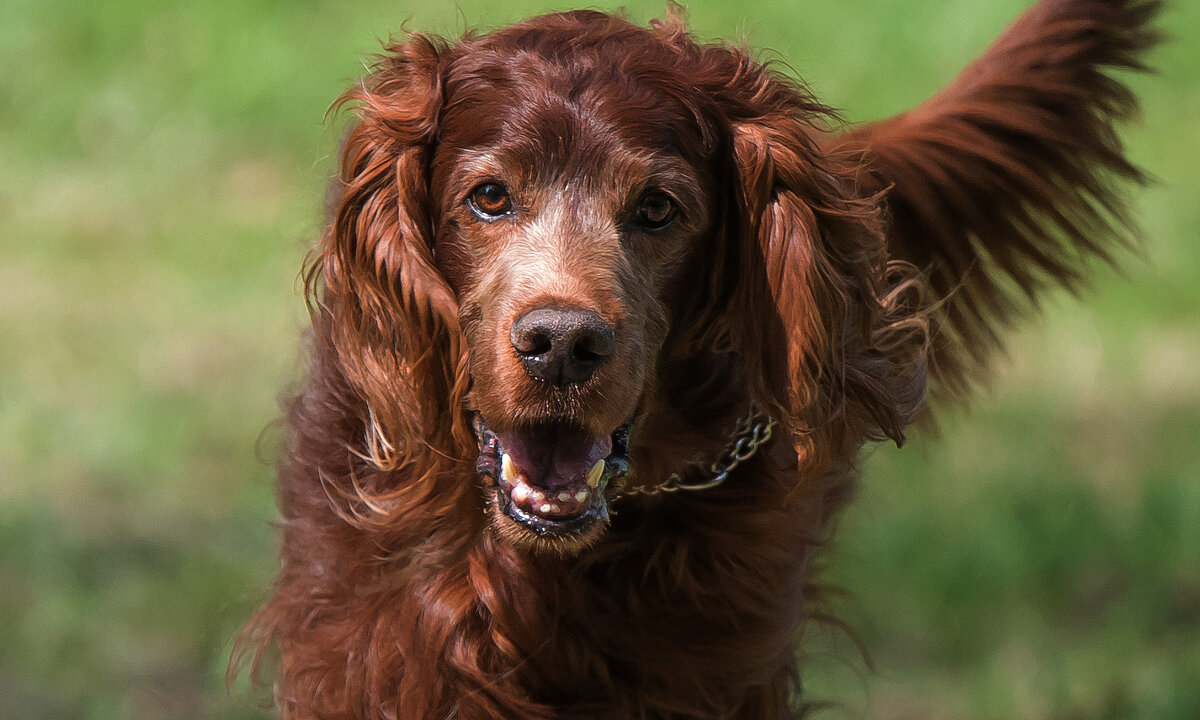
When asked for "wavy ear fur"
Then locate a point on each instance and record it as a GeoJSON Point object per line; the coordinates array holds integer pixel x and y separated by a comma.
{"type": "Point", "coordinates": [844, 346]}
{"type": "Point", "coordinates": [1002, 184]}
{"type": "Point", "coordinates": [375, 293]}
{"type": "Point", "coordinates": [388, 370]}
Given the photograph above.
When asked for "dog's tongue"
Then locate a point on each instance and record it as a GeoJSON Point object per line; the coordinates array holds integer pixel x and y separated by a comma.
{"type": "Point", "coordinates": [555, 457]}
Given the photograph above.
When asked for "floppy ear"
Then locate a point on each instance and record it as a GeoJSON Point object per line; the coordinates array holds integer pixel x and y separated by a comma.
{"type": "Point", "coordinates": [387, 318]}
{"type": "Point", "coordinates": [836, 332]}
{"type": "Point", "coordinates": [1001, 185]}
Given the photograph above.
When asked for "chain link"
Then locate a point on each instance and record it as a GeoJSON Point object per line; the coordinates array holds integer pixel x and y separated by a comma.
{"type": "Point", "coordinates": [751, 433]}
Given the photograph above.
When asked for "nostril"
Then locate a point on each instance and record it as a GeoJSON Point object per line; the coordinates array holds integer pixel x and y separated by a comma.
{"type": "Point", "coordinates": [583, 354]}
{"type": "Point", "coordinates": [593, 343]}
{"type": "Point", "coordinates": [532, 344]}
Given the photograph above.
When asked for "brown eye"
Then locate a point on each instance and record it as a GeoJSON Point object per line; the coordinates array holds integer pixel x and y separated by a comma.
{"type": "Point", "coordinates": [655, 211]}
{"type": "Point", "coordinates": [490, 201]}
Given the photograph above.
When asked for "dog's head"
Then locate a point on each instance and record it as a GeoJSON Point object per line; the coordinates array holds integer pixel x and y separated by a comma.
{"type": "Point", "coordinates": [583, 248]}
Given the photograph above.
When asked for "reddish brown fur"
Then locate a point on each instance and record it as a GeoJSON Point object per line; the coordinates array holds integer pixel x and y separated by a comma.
{"type": "Point", "coordinates": [804, 277]}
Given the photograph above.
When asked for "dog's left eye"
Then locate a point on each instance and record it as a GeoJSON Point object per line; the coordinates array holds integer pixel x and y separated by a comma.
{"type": "Point", "coordinates": [655, 211]}
{"type": "Point", "coordinates": [490, 201]}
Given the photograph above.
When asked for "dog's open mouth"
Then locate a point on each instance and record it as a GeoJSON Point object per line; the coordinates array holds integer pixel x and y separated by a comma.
{"type": "Point", "coordinates": [552, 478]}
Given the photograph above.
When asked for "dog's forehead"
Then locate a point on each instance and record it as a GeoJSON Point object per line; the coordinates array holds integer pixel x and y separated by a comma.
{"type": "Point", "coordinates": [562, 114]}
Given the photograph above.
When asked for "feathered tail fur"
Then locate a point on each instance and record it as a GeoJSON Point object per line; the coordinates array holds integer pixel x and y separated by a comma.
{"type": "Point", "coordinates": [1007, 181]}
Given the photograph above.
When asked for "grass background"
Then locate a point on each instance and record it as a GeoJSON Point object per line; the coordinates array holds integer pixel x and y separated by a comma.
{"type": "Point", "coordinates": [161, 172]}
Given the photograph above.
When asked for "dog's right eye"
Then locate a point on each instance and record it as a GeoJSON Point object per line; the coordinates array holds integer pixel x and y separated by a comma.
{"type": "Point", "coordinates": [490, 201]}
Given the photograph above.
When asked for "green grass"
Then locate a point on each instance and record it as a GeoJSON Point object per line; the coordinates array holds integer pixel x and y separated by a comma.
{"type": "Point", "coordinates": [161, 172]}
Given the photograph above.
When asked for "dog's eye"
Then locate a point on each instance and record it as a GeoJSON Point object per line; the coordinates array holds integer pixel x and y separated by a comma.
{"type": "Point", "coordinates": [655, 211]}
{"type": "Point", "coordinates": [490, 201]}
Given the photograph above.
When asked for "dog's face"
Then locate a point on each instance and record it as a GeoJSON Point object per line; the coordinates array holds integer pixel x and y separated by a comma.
{"type": "Point", "coordinates": [600, 244]}
{"type": "Point", "coordinates": [566, 202]}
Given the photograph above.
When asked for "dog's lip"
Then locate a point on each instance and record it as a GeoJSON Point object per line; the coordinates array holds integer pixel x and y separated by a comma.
{"type": "Point", "coordinates": [552, 478]}
{"type": "Point", "coordinates": [595, 510]}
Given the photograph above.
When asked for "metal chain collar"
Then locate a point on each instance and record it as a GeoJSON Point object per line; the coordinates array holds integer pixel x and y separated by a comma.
{"type": "Point", "coordinates": [751, 433]}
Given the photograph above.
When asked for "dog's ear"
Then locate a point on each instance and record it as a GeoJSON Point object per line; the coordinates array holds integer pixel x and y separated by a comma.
{"type": "Point", "coordinates": [1001, 185]}
{"type": "Point", "coordinates": [835, 332]}
{"type": "Point", "coordinates": [382, 311]}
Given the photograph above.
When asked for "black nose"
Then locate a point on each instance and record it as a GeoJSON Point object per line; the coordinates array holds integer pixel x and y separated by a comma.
{"type": "Point", "coordinates": [562, 345]}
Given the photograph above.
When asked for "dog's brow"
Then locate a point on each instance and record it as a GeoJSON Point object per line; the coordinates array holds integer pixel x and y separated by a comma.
{"type": "Point", "coordinates": [471, 162]}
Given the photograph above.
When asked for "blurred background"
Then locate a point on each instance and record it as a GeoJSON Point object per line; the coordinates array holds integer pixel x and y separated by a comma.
{"type": "Point", "coordinates": [161, 173]}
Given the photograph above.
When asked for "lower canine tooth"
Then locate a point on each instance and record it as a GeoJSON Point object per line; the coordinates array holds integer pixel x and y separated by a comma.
{"type": "Point", "coordinates": [508, 469]}
{"type": "Point", "coordinates": [594, 474]}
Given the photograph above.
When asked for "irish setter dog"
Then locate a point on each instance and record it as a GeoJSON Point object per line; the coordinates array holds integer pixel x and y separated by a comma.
{"type": "Point", "coordinates": [601, 317]}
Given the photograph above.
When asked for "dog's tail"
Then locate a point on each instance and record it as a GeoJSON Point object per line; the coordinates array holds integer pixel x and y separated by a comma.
{"type": "Point", "coordinates": [1008, 180]}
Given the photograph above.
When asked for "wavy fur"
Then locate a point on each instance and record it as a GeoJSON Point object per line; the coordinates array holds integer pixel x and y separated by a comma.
{"type": "Point", "coordinates": [1008, 181]}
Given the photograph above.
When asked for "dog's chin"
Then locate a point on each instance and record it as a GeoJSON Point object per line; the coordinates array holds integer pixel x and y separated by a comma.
{"type": "Point", "coordinates": [529, 531]}
{"type": "Point", "coordinates": [547, 484]}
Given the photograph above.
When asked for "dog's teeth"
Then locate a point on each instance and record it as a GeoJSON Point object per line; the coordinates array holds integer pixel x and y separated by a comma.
{"type": "Point", "coordinates": [594, 475]}
{"type": "Point", "coordinates": [564, 496]}
{"type": "Point", "coordinates": [508, 469]}
{"type": "Point", "coordinates": [581, 496]}
{"type": "Point", "coordinates": [547, 507]}
{"type": "Point", "coordinates": [537, 496]}
{"type": "Point", "coordinates": [520, 493]}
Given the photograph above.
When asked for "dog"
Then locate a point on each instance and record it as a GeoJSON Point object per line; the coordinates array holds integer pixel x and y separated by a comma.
{"type": "Point", "coordinates": [601, 318]}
